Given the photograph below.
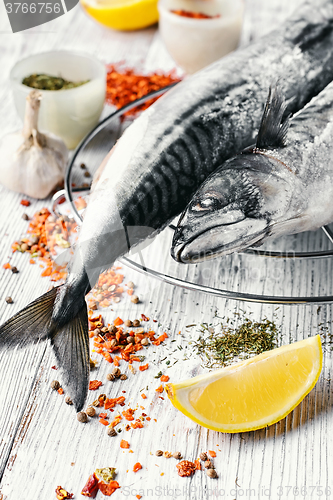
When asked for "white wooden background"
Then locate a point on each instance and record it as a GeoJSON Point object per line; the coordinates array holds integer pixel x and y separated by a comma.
{"type": "Point", "coordinates": [41, 443]}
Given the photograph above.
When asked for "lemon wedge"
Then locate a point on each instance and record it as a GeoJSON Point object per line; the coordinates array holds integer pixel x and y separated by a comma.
{"type": "Point", "coordinates": [122, 14]}
{"type": "Point", "coordinates": [253, 393]}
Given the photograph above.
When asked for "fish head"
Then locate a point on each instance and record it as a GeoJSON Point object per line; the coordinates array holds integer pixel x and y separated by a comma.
{"type": "Point", "coordinates": [233, 208]}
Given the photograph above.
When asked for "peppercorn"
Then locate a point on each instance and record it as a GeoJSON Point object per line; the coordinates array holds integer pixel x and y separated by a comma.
{"type": "Point", "coordinates": [104, 329]}
{"type": "Point", "coordinates": [144, 341]}
{"type": "Point", "coordinates": [97, 331]}
{"type": "Point", "coordinates": [159, 453]}
{"type": "Point", "coordinates": [55, 385]}
{"type": "Point", "coordinates": [112, 288]}
{"type": "Point", "coordinates": [92, 364]}
{"type": "Point", "coordinates": [68, 400]}
{"type": "Point", "coordinates": [139, 331]}
{"type": "Point", "coordinates": [87, 174]}
{"type": "Point", "coordinates": [111, 432]}
{"type": "Point", "coordinates": [110, 377]}
{"type": "Point", "coordinates": [128, 322]}
{"type": "Point", "coordinates": [99, 297]}
{"type": "Point", "coordinates": [123, 377]}
{"type": "Point", "coordinates": [177, 455]}
{"type": "Point", "coordinates": [90, 411]}
{"type": "Point", "coordinates": [203, 456]}
{"type": "Point", "coordinates": [208, 464]}
{"type": "Point", "coordinates": [116, 300]}
{"type": "Point", "coordinates": [82, 417]}
{"type": "Point", "coordinates": [25, 217]}
{"type": "Point", "coordinates": [130, 340]}
{"type": "Point", "coordinates": [83, 165]}
{"type": "Point", "coordinates": [116, 372]}
{"type": "Point", "coordinates": [130, 284]}
{"type": "Point", "coordinates": [9, 300]}
{"type": "Point", "coordinates": [211, 473]}
{"type": "Point", "coordinates": [24, 247]}
{"type": "Point", "coordinates": [113, 343]}
{"type": "Point", "coordinates": [14, 270]}
{"type": "Point", "coordinates": [136, 322]}
{"type": "Point", "coordinates": [135, 299]}
{"type": "Point", "coordinates": [113, 329]}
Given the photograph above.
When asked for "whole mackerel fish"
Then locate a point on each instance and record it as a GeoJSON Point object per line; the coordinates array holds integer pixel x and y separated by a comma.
{"type": "Point", "coordinates": [162, 159]}
{"type": "Point", "coordinates": [282, 185]}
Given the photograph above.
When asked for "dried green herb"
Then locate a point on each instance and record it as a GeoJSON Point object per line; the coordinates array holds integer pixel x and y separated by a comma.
{"type": "Point", "coordinates": [241, 342]}
{"type": "Point", "coordinates": [48, 82]}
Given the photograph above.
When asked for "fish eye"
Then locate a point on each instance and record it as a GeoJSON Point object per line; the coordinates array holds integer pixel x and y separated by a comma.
{"type": "Point", "coordinates": [208, 202]}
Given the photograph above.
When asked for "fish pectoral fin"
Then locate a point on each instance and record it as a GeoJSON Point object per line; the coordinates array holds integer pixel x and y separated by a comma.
{"type": "Point", "coordinates": [272, 132]}
{"type": "Point", "coordinates": [71, 346]}
{"type": "Point", "coordinates": [31, 325]}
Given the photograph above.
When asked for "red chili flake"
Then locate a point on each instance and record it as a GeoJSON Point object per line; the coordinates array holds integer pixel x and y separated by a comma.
{"type": "Point", "coordinates": [94, 385]}
{"type": "Point", "coordinates": [144, 318]}
{"type": "Point", "coordinates": [62, 494]}
{"type": "Point", "coordinates": [143, 396]}
{"type": "Point", "coordinates": [124, 444]}
{"type": "Point", "coordinates": [124, 86]}
{"type": "Point", "coordinates": [160, 389]}
{"type": "Point", "coordinates": [185, 468]}
{"type": "Point", "coordinates": [25, 203]}
{"type": "Point", "coordinates": [212, 453]}
{"type": "Point", "coordinates": [193, 15]}
{"type": "Point", "coordinates": [164, 378]}
{"type": "Point", "coordinates": [108, 488]}
{"type": "Point", "coordinates": [197, 464]}
{"type": "Point", "coordinates": [118, 321]}
{"type": "Point", "coordinates": [103, 421]}
{"type": "Point", "coordinates": [138, 496]}
{"type": "Point", "coordinates": [103, 415]}
{"type": "Point", "coordinates": [91, 487]}
{"type": "Point", "coordinates": [137, 467]}
{"type": "Point", "coordinates": [60, 390]}
{"type": "Point", "coordinates": [54, 367]}
{"type": "Point", "coordinates": [142, 368]}
{"type": "Point", "coordinates": [6, 266]}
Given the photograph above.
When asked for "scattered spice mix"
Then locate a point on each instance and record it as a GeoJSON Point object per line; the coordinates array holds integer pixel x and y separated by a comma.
{"type": "Point", "coordinates": [124, 86]}
{"type": "Point", "coordinates": [193, 15]}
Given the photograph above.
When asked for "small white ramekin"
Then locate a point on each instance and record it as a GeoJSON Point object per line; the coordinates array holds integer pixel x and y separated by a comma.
{"type": "Point", "coordinates": [70, 113]}
{"type": "Point", "coordinates": [195, 43]}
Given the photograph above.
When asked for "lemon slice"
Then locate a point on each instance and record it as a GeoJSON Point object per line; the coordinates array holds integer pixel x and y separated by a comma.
{"type": "Point", "coordinates": [122, 14]}
{"type": "Point", "coordinates": [253, 393]}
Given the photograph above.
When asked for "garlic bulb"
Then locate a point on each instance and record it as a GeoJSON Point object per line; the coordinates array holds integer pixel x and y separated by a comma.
{"type": "Point", "coordinates": [32, 162]}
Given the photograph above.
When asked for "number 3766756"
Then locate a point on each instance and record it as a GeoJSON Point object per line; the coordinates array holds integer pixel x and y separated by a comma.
{"type": "Point", "coordinates": [33, 8]}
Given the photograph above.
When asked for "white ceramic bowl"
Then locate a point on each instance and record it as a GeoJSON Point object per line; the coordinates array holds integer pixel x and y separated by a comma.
{"type": "Point", "coordinates": [195, 43]}
{"type": "Point", "coordinates": [70, 113]}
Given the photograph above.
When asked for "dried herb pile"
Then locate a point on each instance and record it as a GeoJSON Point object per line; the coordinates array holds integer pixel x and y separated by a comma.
{"type": "Point", "coordinates": [220, 348]}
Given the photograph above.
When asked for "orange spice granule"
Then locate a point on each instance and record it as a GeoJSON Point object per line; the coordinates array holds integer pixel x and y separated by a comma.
{"type": "Point", "coordinates": [164, 378]}
{"type": "Point", "coordinates": [6, 266]}
{"type": "Point", "coordinates": [160, 389]}
{"type": "Point", "coordinates": [124, 86]}
{"type": "Point", "coordinates": [104, 421]}
{"type": "Point", "coordinates": [143, 396]}
{"type": "Point", "coordinates": [160, 339]}
{"type": "Point", "coordinates": [137, 467]}
{"type": "Point", "coordinates": [108, 488]}
{"type": "Point", "coordinates": [212, 453]}
{"type": "Point", "coordinates": [124, 444]}
{"type": "Point", "coordinates": [142, 368]}
{"type": "Point", "coordinates": [60, 390]}
{"type": "Point", "coordinates": [138, 496]}
{"type": "Point", "coordinates": [197, 464]}
{"type": "Point", "coordinates": [25, 203]}
{"type": "Point", "coordinates": [94, 385]}
{"type": "Point", "coordinates": [118, 321]}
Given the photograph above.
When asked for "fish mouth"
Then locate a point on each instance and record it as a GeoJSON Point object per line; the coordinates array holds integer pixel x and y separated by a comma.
{"type": "Point", "coordinates": [220, 240]}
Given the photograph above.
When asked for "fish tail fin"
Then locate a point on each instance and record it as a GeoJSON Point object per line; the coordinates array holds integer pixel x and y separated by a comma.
{"type": "Point", "coordinates": [30, 325]}
{"type": "Point", "coordinates": [70, 343]}
{"type": "Point", "coordinates": [68, 334]}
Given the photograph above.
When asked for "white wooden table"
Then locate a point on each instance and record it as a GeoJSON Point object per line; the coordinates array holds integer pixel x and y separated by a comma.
{"type": "Point", "coordinates": [42, 445]}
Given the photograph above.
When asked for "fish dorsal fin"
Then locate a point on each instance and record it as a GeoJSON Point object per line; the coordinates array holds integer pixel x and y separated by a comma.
{"type": "Point", "coordinates": [272, 132]}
